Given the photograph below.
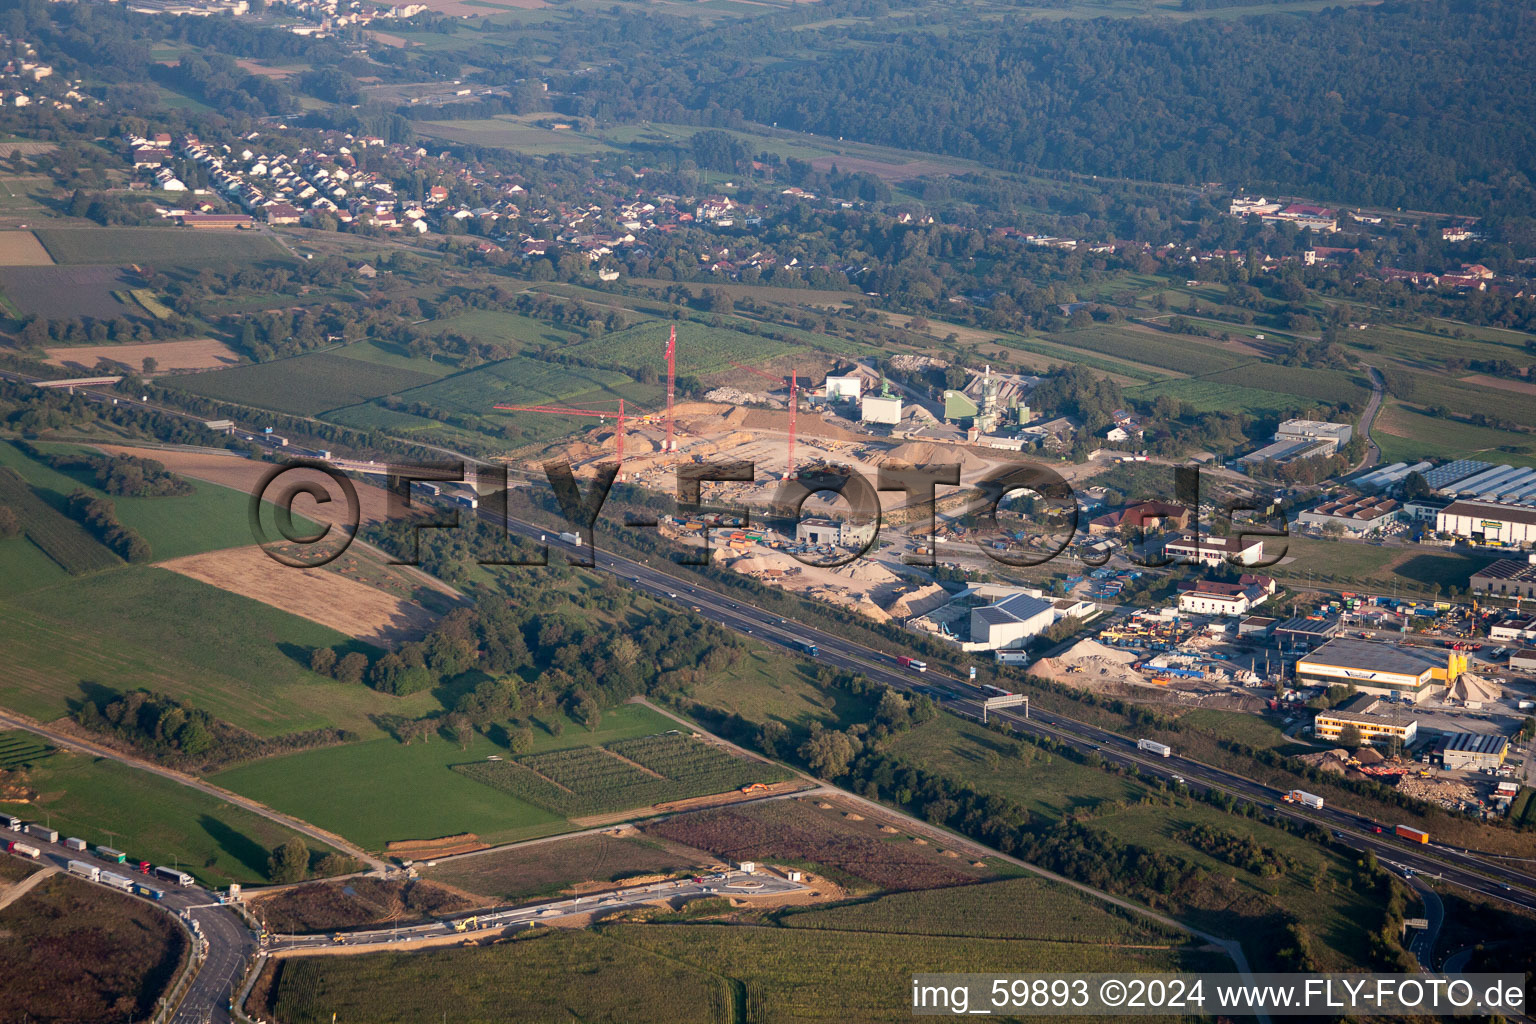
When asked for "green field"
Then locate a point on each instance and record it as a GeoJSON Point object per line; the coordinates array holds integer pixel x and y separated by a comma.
{"type": "Point", "coordinates": [1469, 398]}
{"type": "Point", "coordinates": [700, 349]}
{"type": "Point", "coordinates": [508, 133]}
{"type": "Point", "coordinates": [679, 973]}
{"type": "Point", "coordinates": [211, 518]}
{"type": "Point", "coordinates": [1209, 396]}
{"type": "Point", "coordinates": [1335, 387]}
{"type": "Point", "coordinates": [511, 329]}
{"type": "Point", "coordinates": [305, 385]}
{"type": "Point", "coordinates": [1048, 785]}
{"type": "Point", "coordinates": [519, 381]}
{"type": "Point", "coordinates": [156, 247]}
{"type": "Point", "coordinates": [383, 353]}
{"type": "Point", "coordinates": [544, 869]}
{"type": "Point", "coordinates": [1352, 565]}
{"type": "Point", "coordinates": [1406, 434]}
{"type": "Point", "coordinates": [1012, 908]}
{"type": "Point", "coordinates": [1153, 348]}
{"type": "Point", "coordinates": [62, 539]}
{"type": "Point", "coordinates": [382, 790]}
{"type": "Point", "coordinates": [150, 817]}
{"type": "Point", "coordinates": [561, 975]}
{"type": "Point", "coordinates": [240, 660]}
{"type": "Point", "coordinates": [601, 780]}
{"type": "Point", "coordinates": [22, 750]}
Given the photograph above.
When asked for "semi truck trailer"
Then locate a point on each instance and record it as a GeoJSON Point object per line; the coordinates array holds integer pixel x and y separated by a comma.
{"type": "Point", "coordinates": [1413, 835]}
{"type": "Point", "coordinates": [80, 869]}
{"type": "Point", "coordinates": [1297, 796]}
{"type": "Point", "coordinates": [1154, 747]}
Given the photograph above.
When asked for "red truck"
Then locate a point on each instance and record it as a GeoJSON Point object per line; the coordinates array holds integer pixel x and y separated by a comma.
{"type": "Point", "coordinates": [1413, 835]}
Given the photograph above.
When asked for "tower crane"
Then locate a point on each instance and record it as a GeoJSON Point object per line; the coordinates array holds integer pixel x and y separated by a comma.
{"type": "Point", "coordinates": [794, 402]}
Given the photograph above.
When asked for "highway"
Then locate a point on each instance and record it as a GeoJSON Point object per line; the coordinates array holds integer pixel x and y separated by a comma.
{"type": "Point", "coordinates": [220, 936]}
{"type": "Point", "coordinates": [1470, 870]}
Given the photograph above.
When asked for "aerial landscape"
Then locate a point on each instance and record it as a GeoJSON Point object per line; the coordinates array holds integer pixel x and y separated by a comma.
{"type": "Point", "coordinates": [761, 511]}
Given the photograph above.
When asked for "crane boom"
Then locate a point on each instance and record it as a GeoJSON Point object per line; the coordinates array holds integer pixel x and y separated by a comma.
{"type": "Point", "coordinates": [561, 410]}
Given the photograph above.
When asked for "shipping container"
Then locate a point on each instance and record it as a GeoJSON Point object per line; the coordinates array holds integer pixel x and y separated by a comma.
{"type": "Point", "coordinates": [107, 853]}
{"type": "Point", "coordinates": [1412, 834]}
{"type": "Point", "coordinates": [43, 832]}
{"type": "Point", "coordinates": [80, 869]}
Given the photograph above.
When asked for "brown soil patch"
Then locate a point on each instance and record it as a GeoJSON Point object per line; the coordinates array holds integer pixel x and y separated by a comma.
{"type": "Point", "coordinates": [191, 354]}
{"type": "Point", "coordinates": [256, 67]}
{"type": "Point", "coordinates": [319, 595]}
{"type": "Point", "coordinates": [357, 903]}
{"type": "Point", "coordinates": [246, 474]}
{"type": "Point", "coordinates": [428, 849]}
{"type": "Point", "coordinates": [460, 9]}
{"type": "Point", "coordinates": [1518, 386]}
{"type": "Point", "coordinates": [22, 249]}
{"type": "Point", "coordinates": [387, 39]}
{"type": "Point", "coordinates": [695, 803]}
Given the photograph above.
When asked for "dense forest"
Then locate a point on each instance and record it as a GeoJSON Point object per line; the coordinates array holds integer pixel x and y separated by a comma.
{"type": "Point", "coordinates": [1401, 104]}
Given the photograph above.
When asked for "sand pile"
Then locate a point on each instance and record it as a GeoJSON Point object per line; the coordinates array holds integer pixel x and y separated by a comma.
{"type": "Point", "coordinates": [920, 601]}
{"type": "Point", "coordinates": [1091, 650]}
{"type": "Point", "coordinates": [924, 453]}
{"type": "Point", "coordinates": [1474, 689]}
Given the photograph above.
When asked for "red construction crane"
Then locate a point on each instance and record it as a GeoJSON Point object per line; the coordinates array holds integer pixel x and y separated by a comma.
{"type": "Point", "coordinates": [794, 402]}
{"type": "Point", "coordinates": [671, 384]}
{"type": "Point", "coordinates": [561, 410]}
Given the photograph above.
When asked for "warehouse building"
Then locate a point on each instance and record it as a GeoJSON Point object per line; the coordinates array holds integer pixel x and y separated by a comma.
{"type": "Point", "coordinates": [1353, 515]}
{"type": "Point", "coordinates": [1302, 439]}
{"type": "Point", "coordinates": [1507, 577]}
{"type": "Point", "coordinates": [1468, 751]}
{"type": "Point", "coordinates": [1488, 522]}
{"type": "Point", "coordinates": [1305, 632]}
{"type": "Point", "coordinates": [1523, 661]}
{"type": "Point", "coordinates": [1372, 726]}
{"type": "Point", "coordinates": [1380, 668]}
{"type": "Point", "coordinates": [1011, 621]}
{"type": "Point", "coordinates": [832, 533]}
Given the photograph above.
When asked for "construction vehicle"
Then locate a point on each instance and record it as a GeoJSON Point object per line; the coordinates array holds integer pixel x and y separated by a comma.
{"type": "Point", "coordinates": [754, 787]}
{"type": "Point", "coordinates": [464, 924]}
{"type": "Point", "coordinates": [338, 938]}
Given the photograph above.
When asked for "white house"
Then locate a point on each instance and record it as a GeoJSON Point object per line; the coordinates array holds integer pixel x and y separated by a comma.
{"type": "Point", "coordinates": [1208, 550]}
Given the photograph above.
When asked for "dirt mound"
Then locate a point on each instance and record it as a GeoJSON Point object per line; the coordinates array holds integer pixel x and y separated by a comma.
{"type": "Point", "coordinates": [924, 453]}
{"type": "Point", "coordinates": [1086, 650]}
{"type": "Point", "coordinates": [920, 601]}
{"type": "Point", "coordinates": [444, 846]}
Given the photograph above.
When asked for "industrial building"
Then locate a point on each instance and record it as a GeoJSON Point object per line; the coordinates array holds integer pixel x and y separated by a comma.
{"type": "Point", "coordinates": [846, 387]}
{"type": "Point", "coordinates": [1354, 515]}
{"type": "Point", "coordinates": [1488, 522]}
{"type": "Point", "coordinates": [1507, 577]}
{"type": "Point", "coordinates": [1213, 551]}
{"type": "Point", "coordinates": [1496, 483]}
{"type": "Point", "coordinates": [1468, 751]}
{"type": "Point", "coordinates": [1387, 476]}
{"type": "Point", "coordinates": [988, 400]}
{"type": "Point", "coordinates": [1302, 439]}
{"type": "Point", "coordinates": [1523, 661]}
{"type": "Point", "coordinates": [833, 533]}
{"type": "Point", "coordinates": [1372, 726]}
{"type": "Point", "coordinates": [882, 408]}
{"type": "Point", "coordinates": [1305, 632]}
{"type": "Point", "coordinates": [1442, 477]}
{"type": "Point", "coordinates": [1210, 597]}
{"type": "Point", "coordinates": [1011, 621]}
{"type": "Point", "coordinates": [1379, 668]}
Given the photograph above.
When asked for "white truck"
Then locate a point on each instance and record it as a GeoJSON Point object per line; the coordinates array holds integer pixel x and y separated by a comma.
{"type": "Point", "coordinates": [10, 823]}
{"type": "Point", "coordinates": [78, 845]}
{"type": "Point", "coordinates": [80, 869]}
{"type": "Point", "coordinates": [571, 538]}
{"type": "Point", "coordinates": [1312, 800]}
{"type": "Point", "coordinates": [117, 881]}
{"type": "Point", "coordinates": [1154, 747]}
{"type": "Point", "coordinates": [173, 875]}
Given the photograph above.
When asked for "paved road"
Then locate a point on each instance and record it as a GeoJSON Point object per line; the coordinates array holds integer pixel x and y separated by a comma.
{"type": "Point", "coordinates": [1378, 391]}
{"type": "Point", "coordinates": [1422, 945]}
{"type": "Point", "coordinates": [220, 936]}
{"type": "Point", "coordinates": [10, 719]}
{"type": "Point", "coordinates": [737, 884]}
{"type": "Point", "coordinates": [1488, 876]}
